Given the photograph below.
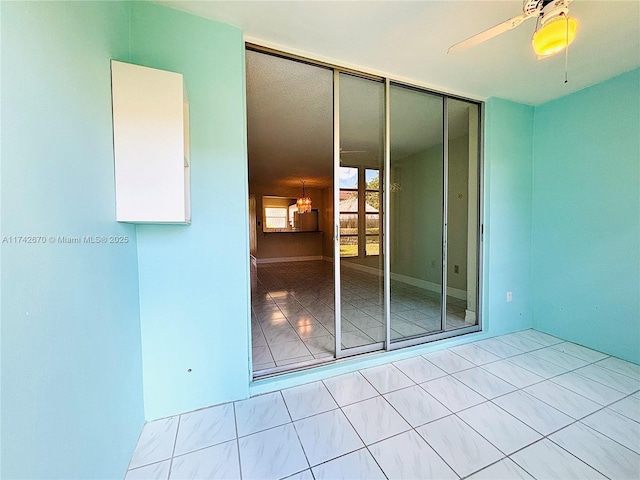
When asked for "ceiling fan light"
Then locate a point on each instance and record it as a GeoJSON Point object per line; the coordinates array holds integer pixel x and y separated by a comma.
{"type": "Point", "coordinates": [553, 36]}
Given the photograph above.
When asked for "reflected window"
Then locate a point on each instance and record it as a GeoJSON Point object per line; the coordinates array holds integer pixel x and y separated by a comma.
{"type": "Point", "coordinates": [359, 226]}
{"type": "Point", "coordinates": [275, 217]}
{"type": "Point", "coordinates": [372, 211]}
{"type": "Point", "coordinates": [349, 218]}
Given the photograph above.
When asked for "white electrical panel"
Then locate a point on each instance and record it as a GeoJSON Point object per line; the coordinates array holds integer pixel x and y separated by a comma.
{"type": "Point", "coordinates": [151, 145]}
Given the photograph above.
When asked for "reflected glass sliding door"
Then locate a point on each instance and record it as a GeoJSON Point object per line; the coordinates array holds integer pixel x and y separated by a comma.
{"type": "Point", "coordinates": [462, 214]}
{"type": "Point", "coordinates": [358, 196]}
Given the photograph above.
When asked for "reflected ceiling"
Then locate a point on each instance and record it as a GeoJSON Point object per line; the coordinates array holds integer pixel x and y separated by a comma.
{"type": "Point", "coordinates": [290, 121]}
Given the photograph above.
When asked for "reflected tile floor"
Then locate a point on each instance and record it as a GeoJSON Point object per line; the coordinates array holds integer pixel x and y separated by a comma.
{"type": "Point", "coordinates": [414, 419]}
{"type": "Point", "coordinates": [292, 312]}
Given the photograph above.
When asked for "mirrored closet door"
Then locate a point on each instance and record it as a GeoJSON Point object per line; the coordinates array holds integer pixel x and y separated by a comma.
{"type": "Point", "coordinates": [365, 213]}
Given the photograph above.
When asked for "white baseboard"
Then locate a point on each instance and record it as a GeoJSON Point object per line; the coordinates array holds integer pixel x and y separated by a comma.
{"type": "Point", "coordinates": [289, 259]}
{"type": "Point", "coordinates": [432, 287]}
{"type": "Point", "coordinates": [470, 317]}
{"type": "Point", "coordinates": [363, 268]}
{"type": "Point", "coordinates": [416, 282]}
{"type": "Point", "coordinates": [457, 293]}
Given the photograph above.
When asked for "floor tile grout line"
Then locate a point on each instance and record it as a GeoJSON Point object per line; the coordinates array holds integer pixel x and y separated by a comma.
{"type": "Point", "coordinates": [531, 426]}
{"type": "Point", "coordinates": [604, 434]}
{"type": "Point", "coordinates": [568, 389]}
{"type": "Point", "coordinates": [293, 425]}
{"type": "Point", "coordinates": [589, 380]}
{"type": "Point", "coordinates": [575, 356]}
{"type": "Point", "coordinates": [543, 437]}
{"type": "Point", "coordinates": [217, 444]}
{"type": "Point", "coordinates": [365, 446]}
{"type": "Point", "coordinates": [354, 429]}
{"type": "Point", "coordinates": [362, 294]}
{"type": "Point", "coordinates": [490, 442]}
{"type": "Point", "coordinates": [362, 440]}
{"type": "Point", "coordinates": [137, 442]}
{"type": "Point", "coordinates": [235, 425]}
{"type": "Point", "coordinates": [489, 373]}
{"type": "Point", "coordinates": [574, 455]}
{"type": "Point", "coordinates": [173, 450]}
{"type": "Point", "coordinates": [574, 420]}
{"type": "Point", "coordinates": [579, 420]}
{"type": "Point", "coordinates": [491, 465]}
{"type": "Point", "coordinates": [597, 364]}
{"type": "Point", "coordinates": [414, 429]}
{"type": "Point", "coordinates": [541, 440]}
{"type": "Point", "coordinates": [382, 394]}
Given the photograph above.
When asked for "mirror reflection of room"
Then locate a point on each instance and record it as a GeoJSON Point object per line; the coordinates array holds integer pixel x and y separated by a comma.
{"type": "Point", "coordinates": [290, 145]}
{"type": "Point", "coordinates": [424, 280]}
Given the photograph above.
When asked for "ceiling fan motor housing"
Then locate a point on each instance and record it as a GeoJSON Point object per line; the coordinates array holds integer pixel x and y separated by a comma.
{"type": "Point", "coordinates": [531, 7]}
{"type": "Point", "coordinates": [553, 9]}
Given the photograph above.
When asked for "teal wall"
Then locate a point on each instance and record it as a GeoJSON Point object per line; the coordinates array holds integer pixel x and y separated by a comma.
{"type": "Point", "coordinates": [71, 361]}
{"type": "Point", "coordinates": [194, 287]}
{"type": "Point", "coordinates": [586, 217]}
{"type": "Point", "coordinates": [507, 217]}
{"type": "Point", "coordinates": [80, 322]}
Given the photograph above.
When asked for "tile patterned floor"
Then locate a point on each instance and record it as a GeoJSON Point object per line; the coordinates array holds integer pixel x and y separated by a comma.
{"type": "Point", "coordinates": [520, 406]}
{"type": "Point", "coordinates": [292, 314]}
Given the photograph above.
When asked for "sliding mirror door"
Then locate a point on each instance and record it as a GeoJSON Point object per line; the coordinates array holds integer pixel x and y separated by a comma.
{"type": "Point", "coordinates": [416, 212]}
{"type": "Point", "coordinates": [290, 140]}
{"type": "Point", "coordinates": [359, 175]}
{"type": "Point", "coordinates": [365, 213]}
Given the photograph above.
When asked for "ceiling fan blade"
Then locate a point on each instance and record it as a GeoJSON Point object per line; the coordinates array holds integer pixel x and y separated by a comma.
{"type": "Point", "coordinates": [488, 34]}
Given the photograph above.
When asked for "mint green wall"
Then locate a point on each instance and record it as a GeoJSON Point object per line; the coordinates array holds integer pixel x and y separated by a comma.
{"type": "Point", "coordinates": [507, 218]}
{"type": "Point", "coordinates": [586, 217]}
{"type": "Point", "coordinates": [71, 362]}
{"type": "Point", "coordinates": [72, 383]}
{"type": "Point", "coordinates": [194, 298]}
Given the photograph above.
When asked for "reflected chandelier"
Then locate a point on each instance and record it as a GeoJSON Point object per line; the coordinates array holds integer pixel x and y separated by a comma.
{"type": "Point", "coordinates": [304, 202]}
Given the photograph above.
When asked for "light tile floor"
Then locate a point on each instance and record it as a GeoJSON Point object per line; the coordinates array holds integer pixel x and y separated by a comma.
{"type": "Point", "coordinates": [523, 405]}
{"type": "Point", "coordinates": [292, 314]}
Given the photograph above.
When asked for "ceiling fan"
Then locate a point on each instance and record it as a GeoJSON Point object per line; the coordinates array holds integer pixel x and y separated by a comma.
{"type": "Point", "coordinates": [555, 30]}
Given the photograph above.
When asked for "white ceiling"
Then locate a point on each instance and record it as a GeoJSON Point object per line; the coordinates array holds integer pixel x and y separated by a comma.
{"type": "Point", "coordinates": [409, 40]}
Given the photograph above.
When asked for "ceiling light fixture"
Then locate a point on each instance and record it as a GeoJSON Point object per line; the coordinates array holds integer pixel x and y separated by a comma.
{"type": "Point", "coordinates": [555, 30]}
{"type": "Point", "coordinates": [304, 202]}
{"type": "Point", "coordinates": [556, 34]}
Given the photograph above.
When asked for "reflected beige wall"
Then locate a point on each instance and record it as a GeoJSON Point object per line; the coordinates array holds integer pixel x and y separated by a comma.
{"type": "Point", "coordinates": [416, 222]}
{"type": "Point", "coordinates": [272, 246]}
